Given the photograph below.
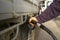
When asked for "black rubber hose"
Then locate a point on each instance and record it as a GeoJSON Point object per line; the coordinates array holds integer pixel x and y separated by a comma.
{"type": "Point", "coordinates": [48, 31]}
{"type": "Point", "coordinates": [44, 28]}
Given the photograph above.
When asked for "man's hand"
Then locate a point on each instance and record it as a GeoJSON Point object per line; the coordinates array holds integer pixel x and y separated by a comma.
{"type": "Point", "coordinates": [32, 19]}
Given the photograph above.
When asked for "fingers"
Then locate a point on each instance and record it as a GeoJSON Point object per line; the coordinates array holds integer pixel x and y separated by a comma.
{"type": "Point", "coordinates": [34, 19]}
{"type": "Point", "coordinates": [32, 24]}
{"type": "Point", "coordinates": [31, 19]}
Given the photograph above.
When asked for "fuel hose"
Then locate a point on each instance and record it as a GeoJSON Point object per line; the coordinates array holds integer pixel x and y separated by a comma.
{"type": "Point", "coordinates": [45, 29]}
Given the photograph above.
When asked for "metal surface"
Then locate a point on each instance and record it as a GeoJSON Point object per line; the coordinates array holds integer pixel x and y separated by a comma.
{"type": "Point", "coordinates": [11, 8]}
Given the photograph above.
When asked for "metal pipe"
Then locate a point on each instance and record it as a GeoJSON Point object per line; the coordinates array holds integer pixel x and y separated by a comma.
{"type": "Point", "coordinates": [12, 27]}
{"type": "Point", "coordinates": [16, 33]}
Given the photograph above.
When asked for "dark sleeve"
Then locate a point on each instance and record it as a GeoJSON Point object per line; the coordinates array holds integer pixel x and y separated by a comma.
{"type": "Point", "coordinates": [51, 12]}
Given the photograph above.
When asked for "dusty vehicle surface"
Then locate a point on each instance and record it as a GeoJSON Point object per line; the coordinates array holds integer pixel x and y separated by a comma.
{"type": "Point", "coordinates": [13, 15]}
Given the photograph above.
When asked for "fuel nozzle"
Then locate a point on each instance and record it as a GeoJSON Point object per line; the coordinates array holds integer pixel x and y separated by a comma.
{"type": "Point", "coordinates": [35, 23]}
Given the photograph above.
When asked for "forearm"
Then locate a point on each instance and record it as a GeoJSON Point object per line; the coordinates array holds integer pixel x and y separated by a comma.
{"type": "Point", "coordinates": [51, 12]}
